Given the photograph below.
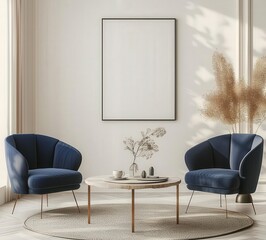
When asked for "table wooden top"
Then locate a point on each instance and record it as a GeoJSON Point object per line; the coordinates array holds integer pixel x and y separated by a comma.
{"type": "Point", "coordinates": [100, 181]}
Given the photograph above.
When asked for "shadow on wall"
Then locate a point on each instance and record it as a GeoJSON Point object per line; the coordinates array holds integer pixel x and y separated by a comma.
{"type": "Point", "coordinates": [208, 33]}
{"type": "Point", "coordinates": [259, 29]}
{"type": "Point", "coordinates": [212, 30]}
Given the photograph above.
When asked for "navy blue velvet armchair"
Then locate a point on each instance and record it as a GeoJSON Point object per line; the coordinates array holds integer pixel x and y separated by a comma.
{"type": "Point", "coordinates": [226, 164]}
{"type": "Point", "coordinates": [39, 164]}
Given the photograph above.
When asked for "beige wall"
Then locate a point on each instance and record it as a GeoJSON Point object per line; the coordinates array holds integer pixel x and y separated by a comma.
{"type": "Point", "coordinates": [28, 66]}
{"type": "Point", "coordinates": [29, 87]}
{"type": "Point", "coordinates": [68, 78]}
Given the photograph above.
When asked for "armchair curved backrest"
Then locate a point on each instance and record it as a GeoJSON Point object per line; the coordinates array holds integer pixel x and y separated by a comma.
{"type": "Point", "coordinates": [250, 165]}
{"type": "Point", "coordinates": [212, 153]}
{"type": "Point", "coordinates": [239, 152]}
{"type": "Point", "coordinates": [27, 152]}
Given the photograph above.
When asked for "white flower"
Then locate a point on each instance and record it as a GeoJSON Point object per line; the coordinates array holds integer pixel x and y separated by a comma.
{"type": "Point", "coordinates": [158, 132]}
{"type": "Point", "coordinates": [146, 146]}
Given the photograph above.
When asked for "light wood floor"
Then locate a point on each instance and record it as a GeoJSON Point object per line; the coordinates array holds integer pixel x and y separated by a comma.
{"type": "Point", "coordinates": [11, 226]}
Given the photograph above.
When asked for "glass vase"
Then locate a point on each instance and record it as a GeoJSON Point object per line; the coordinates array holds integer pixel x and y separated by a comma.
{"type": "Point", "coordinates": [133, 169]}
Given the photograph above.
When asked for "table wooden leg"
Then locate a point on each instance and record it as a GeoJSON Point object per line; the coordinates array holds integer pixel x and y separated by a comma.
{"type": "Point", "coordinates": [133, 210]}
{"type": "Point", "coordinates": [89, 204]}
{"type": "Point", "coordinates": [177, 204]}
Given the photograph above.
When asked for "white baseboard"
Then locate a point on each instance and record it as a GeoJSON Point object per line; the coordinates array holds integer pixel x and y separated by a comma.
{"type": "Point", "coordinates": [2, 195]}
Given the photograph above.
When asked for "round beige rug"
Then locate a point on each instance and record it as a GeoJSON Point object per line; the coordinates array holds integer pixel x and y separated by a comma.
{"type": "Point", "coordinates": [152, 221]}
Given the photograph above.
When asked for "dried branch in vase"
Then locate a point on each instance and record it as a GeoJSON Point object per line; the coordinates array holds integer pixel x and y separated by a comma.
{"type": "Point", "coordinates": [233, 102]}
{"type": "Point", "coordinates": [145, 147]}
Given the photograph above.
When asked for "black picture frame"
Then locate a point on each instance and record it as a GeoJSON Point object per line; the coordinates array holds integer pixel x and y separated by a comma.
{"type": "Point", "coordinates": [114, 60]}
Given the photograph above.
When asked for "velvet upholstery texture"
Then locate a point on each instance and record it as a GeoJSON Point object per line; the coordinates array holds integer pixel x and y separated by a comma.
{"type": "Point", "coordinates": [39, 164]}
{"type": "Point", "coordinates": [225, 164]}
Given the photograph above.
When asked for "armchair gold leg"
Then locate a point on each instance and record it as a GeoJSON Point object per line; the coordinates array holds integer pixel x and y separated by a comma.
{"type": "Point", "coordinates": [189, 201]}
{"type": "Point", "coordinates": [226, 214]}
{"type": "Point", "coordinates": [253, 207]}
{"type": "Point", "coordinates": [75, 200]}
{"type": "Point", "coordinates": [41, 204]}
{"type": "Point", "coordinates": [47, 200]}
{"type": "Point", "coordinates": [17, 197]}
{"type": "Point", "coordinates": [221, 200]}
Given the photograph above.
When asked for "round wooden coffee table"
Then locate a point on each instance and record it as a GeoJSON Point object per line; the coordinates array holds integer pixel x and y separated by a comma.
{"type": "Point", "coordinates": [101, 181]}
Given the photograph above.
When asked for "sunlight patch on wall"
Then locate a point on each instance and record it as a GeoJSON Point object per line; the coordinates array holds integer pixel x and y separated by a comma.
{"type": "Point", "coordinates": [204, 75]}
{"type": "Point", "coordinates": [212, 29]}
{"type": "Point", "coordinates": [259, 46]}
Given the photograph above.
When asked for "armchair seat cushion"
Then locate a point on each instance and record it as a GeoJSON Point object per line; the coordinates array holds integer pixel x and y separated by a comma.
{"type": "Point", "coordinates": [48, 180]}
{"type": "Point", "coordinates": [216, 180]}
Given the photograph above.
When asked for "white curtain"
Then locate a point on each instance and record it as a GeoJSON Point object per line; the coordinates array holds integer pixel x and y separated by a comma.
{"type": "Point", "coordinates": [4, 90]}
{"type": "Point", "coordinates": [10, 79]}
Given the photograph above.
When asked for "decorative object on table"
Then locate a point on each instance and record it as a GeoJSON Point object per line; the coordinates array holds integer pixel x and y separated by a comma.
{"type": "Point", "coordinates": [151, 171]}
{"type": "Point", "coordinates": [113, 179]}
{"type": "Point", "coordinates": [234, 102]}
{"type": "Point", "coordinates": [143, 174]}
{"type": "Point", "coordinates": [117, 174]}
{"type": "Point", "coordinates": [143, 148]}
{"type": "Point", "coordinates": [153, 179]}
{"type": "Point", "coordinates": [136, 180]}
